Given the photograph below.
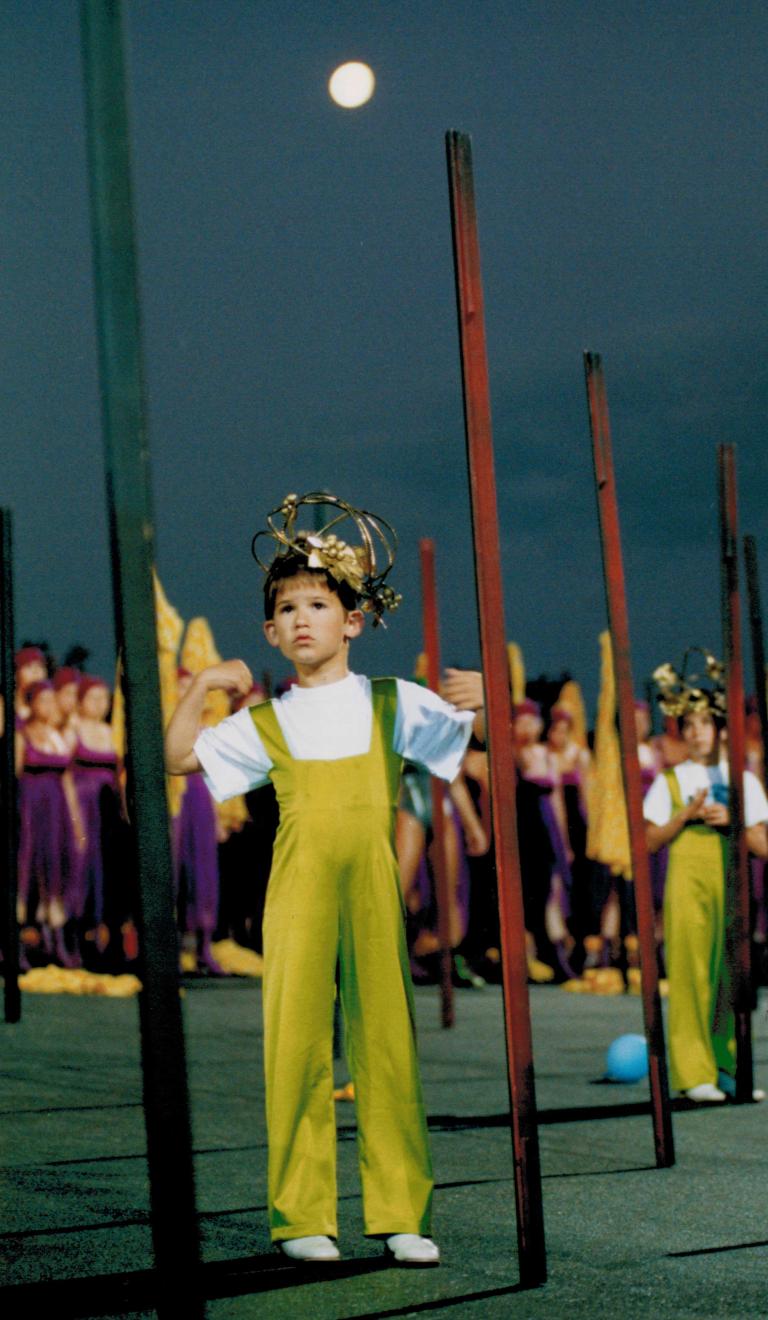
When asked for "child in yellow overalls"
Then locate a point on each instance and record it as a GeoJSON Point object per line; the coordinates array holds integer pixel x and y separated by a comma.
{"type": "Point", "coordinates": [333, 747]}
{"type": "Point", "coordinates": [686, 810]}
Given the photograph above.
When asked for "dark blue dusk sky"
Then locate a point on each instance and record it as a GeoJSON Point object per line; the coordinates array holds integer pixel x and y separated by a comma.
{"type": "Point", "coordinates": [300, 326]}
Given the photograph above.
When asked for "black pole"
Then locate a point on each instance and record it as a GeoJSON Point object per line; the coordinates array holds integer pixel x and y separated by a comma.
{"type": "Point", "coordinates": [758, 640]}
{"type": "Point", "coordinates": [166, 1107]}
{"type": "Point", "coordinates": [10, 931]}
{"type": "Point", "coordinates": [738, 947]}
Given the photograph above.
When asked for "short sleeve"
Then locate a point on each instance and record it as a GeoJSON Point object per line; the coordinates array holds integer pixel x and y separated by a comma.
{"type": "Point", "coordinates": [233, 757]}
{"type": "Point", "coordinates": [755, 801]}
{"type": "Point", "coordinates": [430, 732]}
{"type": "Point", "coordinates": [657, 804]}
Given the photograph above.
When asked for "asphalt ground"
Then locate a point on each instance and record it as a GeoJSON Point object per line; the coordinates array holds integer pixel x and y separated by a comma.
{"type": "Point", "coordinates": [623, 1237]}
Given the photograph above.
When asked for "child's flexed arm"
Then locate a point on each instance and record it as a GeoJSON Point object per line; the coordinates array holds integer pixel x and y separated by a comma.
{"type": "Point", "coordinates": [181, 734]}
{"type": "Point", "coordinates": [464, 689]}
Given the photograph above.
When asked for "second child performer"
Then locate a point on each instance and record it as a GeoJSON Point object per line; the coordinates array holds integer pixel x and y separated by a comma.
{"type": "Point", "coordinates": [687, 809]}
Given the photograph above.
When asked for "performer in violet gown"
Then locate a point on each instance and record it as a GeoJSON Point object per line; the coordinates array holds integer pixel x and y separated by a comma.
{"type": "Point", "coordinates": [196, 863]}
{"type": "Point", "coordinates": [544, 864]}
{"type": "Point", "coordinates": [573, 764]}
{"type": "Point", "coordinates": [66, 686]}
{"type": "Point", "coordinates": [48, 865]}
{"type": "Point", "coordinates": [98, 794]}
{"type": "Point", "coordinates": [30, 668]}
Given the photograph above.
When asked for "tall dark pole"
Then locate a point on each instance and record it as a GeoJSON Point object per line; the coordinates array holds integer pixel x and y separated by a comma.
{"type": "Point", "coordinates": [758, 640]}
{"type": "Point", "coordinates": [737, 935]}
{"type": "Point", "coordinates": [166, 1106]}
{"type": "Point", "coordinates": [498, 708]}
{"type": "Point", "coordinates": [618, 620]}
{"type": "Point", "coordinates": [440, 867]}
{"type": "Point", "coordinates": [10, 930]}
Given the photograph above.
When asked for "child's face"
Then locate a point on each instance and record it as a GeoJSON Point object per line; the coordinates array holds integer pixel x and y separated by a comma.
{"type": "Point", "coordinates": [700, 736]}
{"type": "Point", "coordinates": [310, 625]}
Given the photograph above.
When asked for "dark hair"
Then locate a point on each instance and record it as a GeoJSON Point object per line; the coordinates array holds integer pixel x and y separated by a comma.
{"type": "Point", "coordinates": [292, 565]}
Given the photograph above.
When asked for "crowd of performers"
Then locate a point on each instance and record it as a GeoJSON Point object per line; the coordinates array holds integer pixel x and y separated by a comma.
{"type": "Point", "coordinates": [77, 905]}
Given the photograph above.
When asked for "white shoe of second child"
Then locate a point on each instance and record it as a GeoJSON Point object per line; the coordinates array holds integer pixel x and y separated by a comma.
{"type": "Point", "coordinates": [705, 1094]}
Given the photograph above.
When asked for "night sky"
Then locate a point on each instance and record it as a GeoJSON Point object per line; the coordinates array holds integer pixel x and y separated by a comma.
{"type": "Point", "coordinates": [299, 309]}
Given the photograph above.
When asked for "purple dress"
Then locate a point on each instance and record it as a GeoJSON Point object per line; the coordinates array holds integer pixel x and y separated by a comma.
{"type": "Point", "coordinates": [560, 863]}
{"type": "Point", "coordinates": [426, 886]}
{"type": "Point", "coordinates": [196, 862]}
{"type": "Point", "coordinates": [581, 868]}
{"type": "Point", "coordinates": [47, 853]}
{"type": "Point", "coordinates": [99, 796]}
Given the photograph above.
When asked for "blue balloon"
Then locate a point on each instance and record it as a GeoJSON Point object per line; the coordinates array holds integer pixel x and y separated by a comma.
{"type": "Point", "coordinates": [627, 1059]}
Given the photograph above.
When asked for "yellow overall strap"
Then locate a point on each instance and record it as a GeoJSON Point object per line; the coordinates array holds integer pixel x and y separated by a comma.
{"type": "Point", "coordinates": [384, 697]}
{"type": "Point", "coordinates": [674, 791]}
{"type": "Point", "coordinates": [268, 728]}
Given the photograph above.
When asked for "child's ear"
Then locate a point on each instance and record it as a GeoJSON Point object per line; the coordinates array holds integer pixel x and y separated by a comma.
{"type": "Point", "coordinates": [270, 632]}
{"type": "Point", "coordinates": [354, 624]}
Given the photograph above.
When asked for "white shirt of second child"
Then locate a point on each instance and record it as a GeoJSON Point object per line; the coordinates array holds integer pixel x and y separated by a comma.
{"type": "Point", "coordinates": [691, 778]}
{"type": "Point", "coordinates": [329, 723]}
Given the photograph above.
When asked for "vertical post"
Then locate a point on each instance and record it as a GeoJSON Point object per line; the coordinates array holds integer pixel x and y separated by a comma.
{"type": "Point", "coordinates": [618, 620]}
{"type": "Point", "coordinates": [649, 688]}
{"type": "Point", "coordinates": [432, 651]}
{"type": "Point", "coordinates": [166, 1107]}
{"type": "Point", "coordinates": [498, 706]}
{"type": "Point", "coordinates": [737, 934]}
{"type": "Point", "coordinates": [10, 930]}
{"type": "Point", "coordinates": [758, 640]}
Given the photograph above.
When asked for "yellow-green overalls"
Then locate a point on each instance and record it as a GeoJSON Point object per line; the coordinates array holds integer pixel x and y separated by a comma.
{"type": "Point", "coordinates": [334, 894]}
{"type": "Point", "coordinates": [701, 1024]}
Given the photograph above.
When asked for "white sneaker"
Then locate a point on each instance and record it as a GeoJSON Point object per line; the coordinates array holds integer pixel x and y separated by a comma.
{"type": "Point", "coordinates": [705, 1094]}
{"type": "Point", "coordinates": [410, 1249]}
{"type": "Point", "coordinates": [316, 1250]}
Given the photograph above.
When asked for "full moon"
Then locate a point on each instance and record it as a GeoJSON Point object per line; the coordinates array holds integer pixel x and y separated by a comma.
{"type": "Point", "coordinates": [352, 85]}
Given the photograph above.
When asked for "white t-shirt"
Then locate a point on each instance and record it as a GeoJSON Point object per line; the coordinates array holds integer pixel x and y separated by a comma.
{"type": "Point", "coordinates": [691, 778]}
{"type": "Point", "coordinates": [329, 723]}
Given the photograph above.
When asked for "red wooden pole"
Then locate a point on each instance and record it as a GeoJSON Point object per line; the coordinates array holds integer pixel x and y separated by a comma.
{"type": "Point", "coordinates": [498, 708]}
{"type": "Point", "coordinates": [9, 886]}
{"type": "Point", "coordinates": [758, 641]}
{"type": "Point", "coordinates": [616, 598]}
{"type": "Point", "coordinates": [440, 867]}
{"type": "Point", "coordinates": [738, 951]}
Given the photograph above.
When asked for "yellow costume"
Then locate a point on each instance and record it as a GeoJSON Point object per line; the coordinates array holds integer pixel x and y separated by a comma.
{"type": "Point", "coordinates": [334, 894]}
{"type": "Point", "coordinates": [701, 1023]}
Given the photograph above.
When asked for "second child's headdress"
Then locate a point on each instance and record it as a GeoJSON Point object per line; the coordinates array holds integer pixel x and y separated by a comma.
{"type": "Point", "coordinates": [684, 693]}
{"type": "Point", "coordinates": [363, 568]}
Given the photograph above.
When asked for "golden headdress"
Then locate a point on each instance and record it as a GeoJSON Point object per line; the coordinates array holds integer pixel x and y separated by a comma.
{"type": "Point", "coordinates": [357, 566]}
{"type": "Point", "coordinates": [682, 693]}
